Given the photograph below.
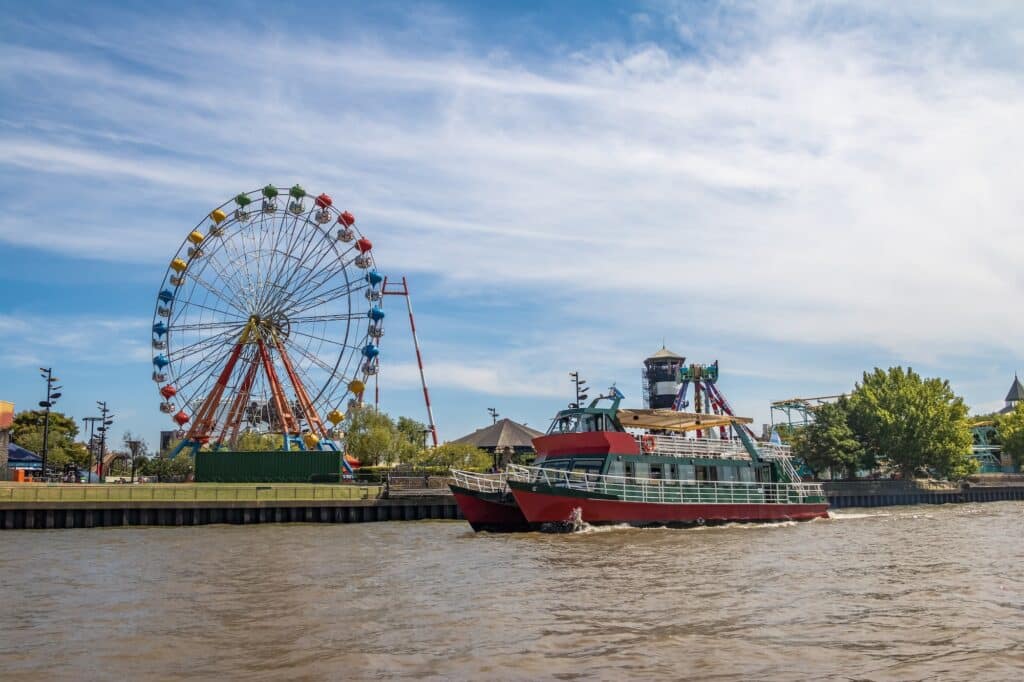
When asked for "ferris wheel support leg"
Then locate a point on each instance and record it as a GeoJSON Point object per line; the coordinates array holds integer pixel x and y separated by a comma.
{"type": "Point", "coordinates": [312, 418]}
{"type": "Point", "coordinates": [288, 423]}
{"type": "Point", "coordinates": [182, 445]}
{"type": "Point", "coordinates": [234, 420]}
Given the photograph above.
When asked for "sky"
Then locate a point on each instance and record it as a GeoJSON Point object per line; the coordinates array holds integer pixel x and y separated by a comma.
{"type": "Point", "coordinates": [801, 191]}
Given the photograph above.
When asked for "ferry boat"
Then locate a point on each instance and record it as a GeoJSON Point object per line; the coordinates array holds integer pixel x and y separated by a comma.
{"type": "Point", "coordinates": [590, 468]}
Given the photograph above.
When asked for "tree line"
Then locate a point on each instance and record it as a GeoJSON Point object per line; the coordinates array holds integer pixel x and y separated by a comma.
{"type": "Point", "coordinates": [897, 419]}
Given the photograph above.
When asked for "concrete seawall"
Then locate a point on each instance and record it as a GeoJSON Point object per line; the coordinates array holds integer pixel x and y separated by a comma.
{"type": "Point", "coordinates": [18, 515]}
{"type": "Point", "coordinates": [894, 493]}
{"type": "Point", "coordinates": [91, 514]}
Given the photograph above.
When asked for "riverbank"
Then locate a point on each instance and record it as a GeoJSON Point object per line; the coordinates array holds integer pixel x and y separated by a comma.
{"type": "Point", "coordinates": [90, 506]}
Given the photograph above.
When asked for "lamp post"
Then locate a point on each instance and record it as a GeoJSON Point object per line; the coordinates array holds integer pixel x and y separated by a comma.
{"type": "Point", "coordinates": [133, 445]}
{"type": "Point", "coordinates": [107, 419]}
{"type": "Point", "coordinates": [92, 440]}
{"type": "Point", "coordinates": [52, 393]}
{"type": "Point", "coordinates": [581, 389]}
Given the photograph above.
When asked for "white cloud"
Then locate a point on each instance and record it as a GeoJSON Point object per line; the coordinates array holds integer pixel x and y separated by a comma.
{"type": "Point", "coordinates": [830, 183]}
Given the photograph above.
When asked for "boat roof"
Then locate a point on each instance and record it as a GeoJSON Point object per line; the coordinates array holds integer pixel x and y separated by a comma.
{"type": "Point", "coordinates": [670, 420]}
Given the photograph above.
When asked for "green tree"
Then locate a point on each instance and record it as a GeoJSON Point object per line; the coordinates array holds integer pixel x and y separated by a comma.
{"type": "Point", "coordinates": [141, 451]}
{"type": "Point", "coordinates": [370, 436]}
{"type": "Point", "coordinates": [456, 455]}
{"type": "Point", "coordinates": [252, 441]}
{"type": "Point", "coordinates": [916, 424]}
{"type": "Point", "coordinates": [828, 442]}
{"type": "Point", "coordinates": [167, 469]}
{"type": "Point", "coordinates": [410, 438]}
{"type": "Point", "coordinates": [27, 431]}
{"type": "Point", "coordinates": [1010, 433]}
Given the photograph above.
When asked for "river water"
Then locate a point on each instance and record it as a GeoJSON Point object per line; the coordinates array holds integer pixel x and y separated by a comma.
{"type": "Point", "coordinates": [903, 593]}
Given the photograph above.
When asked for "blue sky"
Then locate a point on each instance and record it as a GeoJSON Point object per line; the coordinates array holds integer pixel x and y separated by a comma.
{"type": "Point", "coordinates": [799, 190]}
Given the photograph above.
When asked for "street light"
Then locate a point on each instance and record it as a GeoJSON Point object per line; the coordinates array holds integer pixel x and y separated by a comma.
{"type": "Point", "coordinates": [581, 389]}
{"type": "Point", "coordinates": [133, 445]}
{"type": "Point", "coordinates": [107, 419]}
{"type": "Point", "coordinates": [92, 441]}
{"type": "Point", "coordinates": [52, 394]}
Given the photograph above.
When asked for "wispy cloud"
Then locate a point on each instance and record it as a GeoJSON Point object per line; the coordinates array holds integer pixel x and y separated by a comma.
{"type": "Point", "coordinates": [811, 174]}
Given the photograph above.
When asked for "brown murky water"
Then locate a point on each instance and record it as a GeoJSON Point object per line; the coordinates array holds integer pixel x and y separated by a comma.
{"type": "Point", "coordinates": [902, 594]}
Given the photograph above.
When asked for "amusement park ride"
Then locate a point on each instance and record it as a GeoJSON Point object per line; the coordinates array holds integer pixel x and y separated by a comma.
{"type": "Point", "coordinates": [667, 381]}
{"type": "Point", "coordinates": [269, 318]}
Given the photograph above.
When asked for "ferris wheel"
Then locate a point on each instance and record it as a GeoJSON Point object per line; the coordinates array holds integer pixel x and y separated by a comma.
{"type": "Point", "coordinates": [268, 319]}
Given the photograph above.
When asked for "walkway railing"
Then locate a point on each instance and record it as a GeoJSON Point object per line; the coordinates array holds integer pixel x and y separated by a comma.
{"type": "Point", "coordinates": [671, 491]}
{"type": "Point", "coordinates": [41, 492]}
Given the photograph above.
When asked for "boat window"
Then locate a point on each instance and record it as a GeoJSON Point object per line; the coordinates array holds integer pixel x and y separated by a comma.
{"type": "Point", "coordinates": [656, 471]}
{"type": "Point", "coordinates": [726, 473]}
{"type": "Point", "coordinates": [562, 464]}
{"type": "Point", "coordinates": [643, 470]}
{"type": "Point", "coordinates": [706, 473]}
{"type": "Point", "coordinates": [589, 466]}
{"type": "Point", "coordinates": [746, 474]}
{"type": "Point", "coordinates": [686, 472]}
{"type": "Point", "coordinates": [591, 422]}
{"type": "Point", "coordinates": [567, 424]}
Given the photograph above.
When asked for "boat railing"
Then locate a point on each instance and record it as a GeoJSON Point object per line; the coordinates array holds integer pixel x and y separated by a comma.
{"type": "Point", "coordinates": [670, 491]}
{"type": "Point", "coordinates": [675, 445]}
{"type": "Point", "coordinates": [485, 483]}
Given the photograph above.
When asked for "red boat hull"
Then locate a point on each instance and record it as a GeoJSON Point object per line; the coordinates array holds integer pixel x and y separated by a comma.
{"type": "Point", "coordinates": [494, 512]}
{"type": "Point", "coordinates": [551, 507]}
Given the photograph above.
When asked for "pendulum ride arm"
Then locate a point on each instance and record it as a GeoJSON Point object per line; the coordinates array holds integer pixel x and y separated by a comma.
{"type": "Point", "coordinates": [727, 408]}
{"type": "Point", "coordinates": [404, 291]}
{"type": "Point", "coordinates": [312, 418]}
{"type": "Point", "coordinates": [288, 423]}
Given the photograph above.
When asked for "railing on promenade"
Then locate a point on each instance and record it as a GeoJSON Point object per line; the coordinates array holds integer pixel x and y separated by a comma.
{"type": "Point", "coordinates": [171, 492]}
{"type": "Point", "coordinates": [670, 491]}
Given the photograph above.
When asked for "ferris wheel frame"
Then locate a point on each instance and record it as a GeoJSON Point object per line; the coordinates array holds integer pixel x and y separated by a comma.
{"type": "Point", "coordinates": [258, 313]}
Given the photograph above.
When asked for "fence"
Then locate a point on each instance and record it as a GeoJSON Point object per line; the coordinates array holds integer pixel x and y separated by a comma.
{"type": "Point", "coordinates": [32, 492]}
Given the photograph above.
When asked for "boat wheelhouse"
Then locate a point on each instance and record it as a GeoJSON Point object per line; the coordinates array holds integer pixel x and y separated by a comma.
{"type": "Point", "coordinates": [590, 468]}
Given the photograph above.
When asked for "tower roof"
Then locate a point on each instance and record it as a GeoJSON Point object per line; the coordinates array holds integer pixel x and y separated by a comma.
{"type": "Point", "coordinates": [1016, 391]}
{"type": "Point", "coordinates": [665, 354]}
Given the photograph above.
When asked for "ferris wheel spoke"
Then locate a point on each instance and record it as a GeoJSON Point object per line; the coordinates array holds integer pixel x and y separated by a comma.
{"type": "Point", "coordinates": [326, 318]}
{"type": "Point", "coordinates": [277, 266]}
{"type": "Point", "coordinates": [309, 302]}
{"type": "Point", "coordinates": [313, 270]}
{"type": "Point", "coordinates": [204, 326]}
{"type": "Point", "coordinates": [319, 362]}
{"type": "Point", "coordinates": [213, 290]}
{"type": "Point", "coordinates": [340, 344]}
{"type": "Point", "coordinates": [231, 286]}
{"type": "Point", "coordinates": [204, 344]}
{"type": "Point", "coordinates": [192, 304]}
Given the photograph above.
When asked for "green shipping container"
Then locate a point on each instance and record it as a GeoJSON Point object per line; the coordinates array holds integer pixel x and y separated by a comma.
{"type": "Point", "coordinates": [266, 467]}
